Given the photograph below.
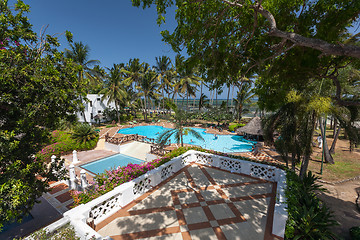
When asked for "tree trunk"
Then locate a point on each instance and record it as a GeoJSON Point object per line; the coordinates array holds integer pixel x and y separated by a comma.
{"type": "Point", "coordinates": [293, 161]}
{"type": "Point", "coordinates": [117, 112]}
{"type": "Point", "coordinates": [310, 132]}
{"type": "Point", "coordinates": [145, 117]}
{"type": "Point", "coordinates": [335, 124]}
{"type": "Point", "coordinates": [228, 96]}
{"type": "Point", "coordinates": [327, 156]}
{"type": "Point", "coordinates": [332, 149]}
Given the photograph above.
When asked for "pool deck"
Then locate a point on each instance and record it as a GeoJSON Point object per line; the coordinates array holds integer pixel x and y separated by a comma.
{"type": "Point", "coordinates": [198, 202]}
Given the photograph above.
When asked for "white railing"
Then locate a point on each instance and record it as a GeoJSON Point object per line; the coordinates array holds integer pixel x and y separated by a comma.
{"type": "Point", "coordinates": [104, 206]}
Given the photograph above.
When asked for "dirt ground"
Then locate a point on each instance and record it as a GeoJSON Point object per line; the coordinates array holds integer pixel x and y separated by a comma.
{"type": "Point", "coordinates": [340, 197]}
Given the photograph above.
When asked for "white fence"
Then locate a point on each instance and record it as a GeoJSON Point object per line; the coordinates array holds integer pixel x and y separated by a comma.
{"type": "Point", "coordinates": [102, 207]}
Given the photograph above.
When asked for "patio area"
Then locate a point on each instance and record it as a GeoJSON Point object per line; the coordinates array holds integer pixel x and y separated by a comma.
{"type": "Point", "coordinates": [198, 202]}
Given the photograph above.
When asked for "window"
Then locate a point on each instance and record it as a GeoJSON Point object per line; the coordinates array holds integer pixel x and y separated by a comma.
{"type": "Point", "coordinates": [90, 103]}
{"type": "Point", "coordinates": [91, 115]}
{"type": "Point", "coordinates": [99, 111]}
{"type": "Point", "coordinates": [98, 99]}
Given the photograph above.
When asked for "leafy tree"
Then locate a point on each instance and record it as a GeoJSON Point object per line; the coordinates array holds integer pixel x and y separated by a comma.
{"type": "Point", "coordinates": [179, 131]}
{"type": "Point", "coordinates": [38, 87]}
{"type": "Point", "coordinates": [210, 28]}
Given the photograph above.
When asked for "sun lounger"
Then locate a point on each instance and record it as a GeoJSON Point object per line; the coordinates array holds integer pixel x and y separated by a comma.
{"type": "Point", "coordinates": [135, 122]}
{"type": "Point", "coordinates": [131, 123]}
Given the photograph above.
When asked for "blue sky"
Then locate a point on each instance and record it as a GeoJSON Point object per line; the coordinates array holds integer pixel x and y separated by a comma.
{"type": "Point", "coordinates": [114, 30]}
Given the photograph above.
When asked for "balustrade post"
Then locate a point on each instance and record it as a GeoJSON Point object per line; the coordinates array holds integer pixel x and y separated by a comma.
{"type": "Point", "coordinates": [73, 180]}
{"type": "Point", "coordinates": [84, 182]}
{"type": "Point", "coordinates": [53, 157]}
{"type": "Point", "coordinates": [75, 158]}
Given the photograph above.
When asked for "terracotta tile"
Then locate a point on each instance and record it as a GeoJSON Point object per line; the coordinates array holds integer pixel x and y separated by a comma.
{"type": "Point", "coordinates": [196, 226]}
{"type": "Point", "coordinates": [150, 210]}
{"type": "Point", "coordinates": [219, 233]}
{"type": "Point", "coordinates": [148, 234]}
{"type": "Point", "coordinates": [58, 188]}
{"type": "Point", "coordinates": [270, 214]}
{"type": "Point", "coordinates": [186, 235]}
{"type": "Point", "coordinates": [64, 197]}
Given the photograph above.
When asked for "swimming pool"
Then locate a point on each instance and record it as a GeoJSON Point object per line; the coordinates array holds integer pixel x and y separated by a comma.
{"type": "Point", "coordinates": [223, 143]}
{"type": "Point", "coordinates": [111, 162]}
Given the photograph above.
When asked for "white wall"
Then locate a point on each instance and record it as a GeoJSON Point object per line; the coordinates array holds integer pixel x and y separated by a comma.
{"type": "Point", "coordinates": [93, 106]}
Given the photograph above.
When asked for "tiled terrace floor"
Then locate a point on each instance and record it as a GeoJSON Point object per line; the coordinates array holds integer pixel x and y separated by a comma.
{"type": "Point", "coordinates": [198, 202]}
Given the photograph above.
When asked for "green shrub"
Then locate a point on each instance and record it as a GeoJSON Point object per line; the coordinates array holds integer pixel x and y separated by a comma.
{"type": "Point", "coordinates": [308, 217]}
{"type": "Point", "coordinates": [65, 232]}
{"type": "Point", "coordinates": [84, 133]}
{"type": "Point", "coordinates": [355, 233]}
{"type": "Point", "coordinates": [111, 125]}
{"type": "Point", "coordinates": [61, 142]}
{"type": "Point", "coordinates": [233, 127]}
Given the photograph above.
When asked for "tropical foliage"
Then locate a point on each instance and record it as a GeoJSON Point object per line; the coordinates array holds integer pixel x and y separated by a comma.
{"type": "Point", "coordinates": [84, 133]}
{"type": "Point", "coordinates": [38, 87]}
{"type": "Point", "coordinates": [308, 217]}
{"type": "Point", "coordinates": [179, 131]}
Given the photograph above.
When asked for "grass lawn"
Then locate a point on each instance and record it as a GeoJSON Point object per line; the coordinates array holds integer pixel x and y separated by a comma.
{"type": "Point", "coordinates": [347, 165]}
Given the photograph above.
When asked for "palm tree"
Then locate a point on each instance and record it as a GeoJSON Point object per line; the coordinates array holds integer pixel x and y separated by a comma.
{"type": "Point", "coordinates": [202, 101]}
{"type": "Point", "coordinates": [134, 71]}
{"type": "Point", "coordinates": [162, 67]}
{"type": "Point", "coordinates": [148, 85]}
{"type": "Point", "coordinates": [79, 53]}
{"type": "Point", "coordinates": [115, 91]}
{"type": "Point", "coordinates": [179, 131]}
{"type": "Point", "coordinates": [244, 95]}
{"type": "Point", "coordinates": [187, 83]}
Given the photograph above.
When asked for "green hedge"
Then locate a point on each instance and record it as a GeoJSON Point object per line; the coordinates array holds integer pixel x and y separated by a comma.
{"type": "Point", "coordinates": [62, 143]}
{"type": "Point", "coordinates": [233, 127]}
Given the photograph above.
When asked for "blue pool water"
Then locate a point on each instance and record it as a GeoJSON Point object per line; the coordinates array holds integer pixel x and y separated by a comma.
{"type": "Point", "coordinates": [11, 225]}
{"type": "Point", "coordinates": [224, 143]}
{"type": "Point", "coordinates": [111, 162]}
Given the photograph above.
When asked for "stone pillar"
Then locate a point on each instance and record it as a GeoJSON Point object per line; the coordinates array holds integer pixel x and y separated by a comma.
{"type": "Point", "coordinates": [53, 157]}
{"type": "Point", "coordinates": [75, 158]}
{"type": "Point", "coordinates": [73, 180]}
{"type": "Point", "coordinates": [84, 182]}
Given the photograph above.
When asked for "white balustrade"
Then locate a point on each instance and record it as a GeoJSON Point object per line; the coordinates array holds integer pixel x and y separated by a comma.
{"type": "Point", "coordinates": [75, 157]}
{"type": "Point", "coordinates": [73, 181]}
{"type": "Point", "coordinates": [84, 182]}
{"type": "Point", "coordinates": [102, 207]}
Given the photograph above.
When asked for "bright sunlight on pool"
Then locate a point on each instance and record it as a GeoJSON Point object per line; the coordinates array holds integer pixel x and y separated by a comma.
{"type": "Point", "coordinates": [224, 143]}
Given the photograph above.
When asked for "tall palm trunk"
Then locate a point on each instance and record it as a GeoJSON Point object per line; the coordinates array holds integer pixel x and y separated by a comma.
{"type": "Point", "coordinates": [228, 96]}
{"type": "Point", "coordinates": [309, 129]}
{"type": "Point", "coordinates": [332, 149]}
{"type": "Point", "coordinates": [145, 116]}
{"type": "Point", "coordinates": [328, 157]}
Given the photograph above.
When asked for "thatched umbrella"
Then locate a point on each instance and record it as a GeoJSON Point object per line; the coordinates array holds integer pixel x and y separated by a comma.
{"type": "Point", "coordinates": [252, 128]}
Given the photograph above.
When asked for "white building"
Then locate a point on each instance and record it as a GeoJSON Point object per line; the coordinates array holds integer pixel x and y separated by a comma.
{"type": "Point", "coordinates": [94, 106]}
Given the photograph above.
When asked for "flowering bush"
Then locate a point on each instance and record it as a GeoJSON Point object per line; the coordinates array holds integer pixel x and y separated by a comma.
{"type": "Point", "coordinates": [107, 181]}
{"type": "Point", "coordinates": [62, 143]}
